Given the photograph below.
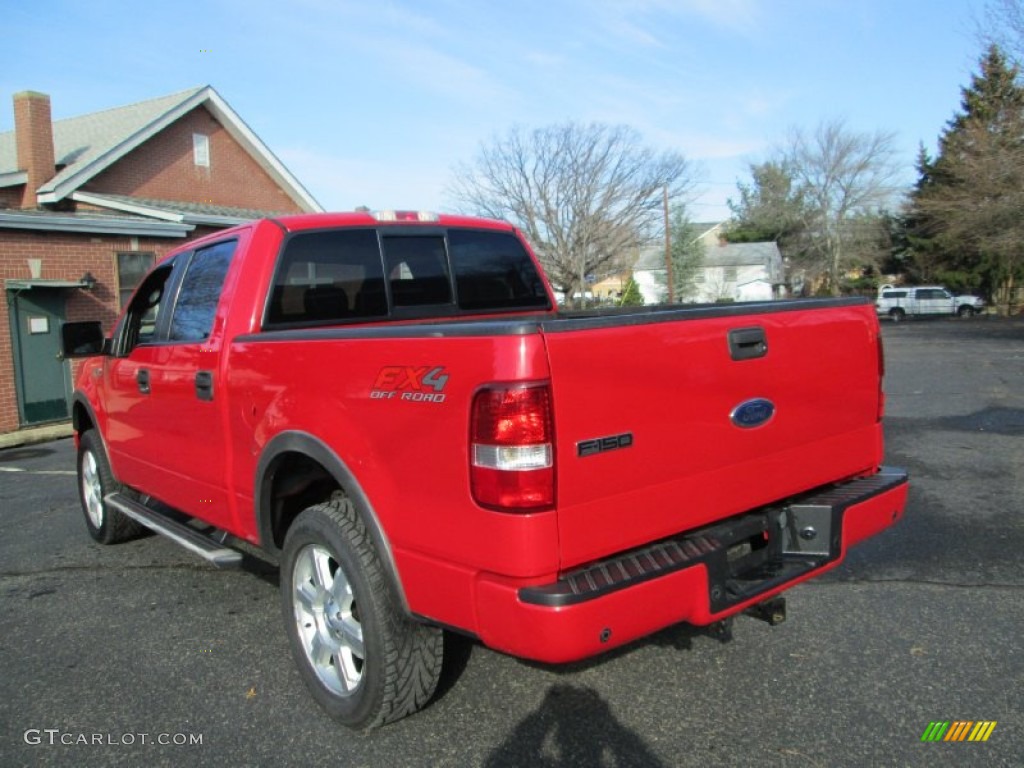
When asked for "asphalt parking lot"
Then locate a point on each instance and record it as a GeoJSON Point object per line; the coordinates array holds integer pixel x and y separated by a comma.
{"type": "Point", "coordinates": [132, 654]}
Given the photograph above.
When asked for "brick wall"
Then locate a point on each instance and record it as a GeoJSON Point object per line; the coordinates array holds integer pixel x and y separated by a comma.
{"type": "Point", "coordinates": [10, 197]}
{"type": "Point", "coordinates": [164, 169]}
{"type": "Point", "coordinates": [64, 256]}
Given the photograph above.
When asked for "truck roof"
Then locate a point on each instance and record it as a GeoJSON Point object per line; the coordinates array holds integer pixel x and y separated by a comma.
{"type": "Point", "coordinates": [378, 218]}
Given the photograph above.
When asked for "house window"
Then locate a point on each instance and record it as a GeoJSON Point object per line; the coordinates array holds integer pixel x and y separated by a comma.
{"type": "Point", "coordinates": [132, 266]}
{"type": "Point", "coordinates": [201, 150]}
{"type": "Point", "coordinates": [730, 274]}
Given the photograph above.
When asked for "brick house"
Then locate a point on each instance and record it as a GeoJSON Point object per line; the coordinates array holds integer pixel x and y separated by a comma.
{"type": "Point", "coordinates": [88, 203]}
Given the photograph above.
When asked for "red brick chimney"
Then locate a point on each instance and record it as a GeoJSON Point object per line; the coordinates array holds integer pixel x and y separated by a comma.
{"type": "Point", "coordinates": [33, 135]}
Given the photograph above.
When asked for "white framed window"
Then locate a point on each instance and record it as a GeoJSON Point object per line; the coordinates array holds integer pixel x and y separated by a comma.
{"type": "Point", "coordinates": [201, 150]}
{"type": "Point", "coordinates": [132, 266]}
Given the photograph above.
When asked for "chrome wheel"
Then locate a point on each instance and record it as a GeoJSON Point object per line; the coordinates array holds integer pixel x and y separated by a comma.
{"type": "Point", "coordinates": [327, 620]}
{"type": "Point", "coordinates": [92, 489]}
{"type": "Point", "coordinates": [364, 660]}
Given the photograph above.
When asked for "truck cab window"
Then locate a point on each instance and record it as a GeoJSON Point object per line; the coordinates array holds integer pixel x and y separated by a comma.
{"type": "Point", "coordinates": [196, 306]}
{"type": "Point", "coordinates": [329, 276]}
{"type": "Point", "coordinates": [417, 269]}
{"type": "Point", "coordinates": [494, 271]}
{"type": "Point", "coordinates": [142, 315]}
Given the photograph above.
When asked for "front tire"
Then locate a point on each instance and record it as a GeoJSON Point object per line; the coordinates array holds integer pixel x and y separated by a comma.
{"type": "Point", "coordinates": [965, 311]}
{"type": "Point", "coordinates": [365, 662]}
{"type": "Point", "coordinates": [95, 481]}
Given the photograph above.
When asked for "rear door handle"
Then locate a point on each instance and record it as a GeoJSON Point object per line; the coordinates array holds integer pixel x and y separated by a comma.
{"type": "Point", "coordinates": [204, 385]}
{"type": "Point", "coordinates": [142, 379]}
{"type": "Point", "coordinates": [748, 343]}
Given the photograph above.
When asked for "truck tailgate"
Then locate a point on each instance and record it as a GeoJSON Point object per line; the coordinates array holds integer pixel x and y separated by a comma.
{"type": "Point", "coordinates": [669, 421]}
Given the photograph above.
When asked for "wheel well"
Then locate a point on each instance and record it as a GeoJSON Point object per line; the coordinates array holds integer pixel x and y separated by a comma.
{"type": "Point", "coordinates": [295, 482]}
{"type": "Point", "coordinates": [81, 419]}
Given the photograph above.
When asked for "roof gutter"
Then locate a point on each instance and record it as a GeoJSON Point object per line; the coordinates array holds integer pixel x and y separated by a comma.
{"type": "Point", "coordinates": [13, 179]}
{"type": "Point", "coordinates": [111, 226]}
{"type": "Point", "coordinates": [119, 205]}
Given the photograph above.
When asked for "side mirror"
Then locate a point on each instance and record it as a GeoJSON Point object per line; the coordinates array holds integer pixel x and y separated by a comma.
{"type": "Point", "coordinates": [83, 339]}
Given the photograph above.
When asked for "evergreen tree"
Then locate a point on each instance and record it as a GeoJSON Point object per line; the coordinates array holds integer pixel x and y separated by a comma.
{"type": "Point", "coordinates": [770, 209]}
{"type": "Point", "coordinates": [966, 212]}
{"type": "Point", "coordinates": [631, 296]}
{"type": "Point", "coordinates": [686, 253]}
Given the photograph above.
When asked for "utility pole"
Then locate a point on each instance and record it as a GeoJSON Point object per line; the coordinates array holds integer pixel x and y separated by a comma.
{"type": "Point", "coordinates": [668, 254]}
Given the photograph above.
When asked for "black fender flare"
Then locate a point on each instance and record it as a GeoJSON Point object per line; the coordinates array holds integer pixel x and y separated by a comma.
{"type": "Point", "coordinates": [317, 450]}
{"type": "Point", "coordinates": [78, 398]}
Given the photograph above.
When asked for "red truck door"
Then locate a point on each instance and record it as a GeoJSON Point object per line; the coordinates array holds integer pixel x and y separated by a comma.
{"type": "Point", "coordinates": [165, 427]}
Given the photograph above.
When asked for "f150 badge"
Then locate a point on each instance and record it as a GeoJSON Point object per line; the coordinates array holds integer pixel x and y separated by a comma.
{"type": "Point", "coordinates": [413, 383]}
{"type": "Point", "coordinates": [602, 444]}
{"type": "Point", "coordinates": [752, 413]}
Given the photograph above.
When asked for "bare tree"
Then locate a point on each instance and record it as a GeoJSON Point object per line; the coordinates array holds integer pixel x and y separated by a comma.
{"type": "Point", "coordinates": [585, 196]}
{"type": "Point", "coordinates": [1003, 25]}
{"type": "Point", "coordinates": [843, 178]}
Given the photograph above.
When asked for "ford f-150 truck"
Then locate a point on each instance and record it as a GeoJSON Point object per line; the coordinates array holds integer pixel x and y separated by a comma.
{"type": "Point", "coordinates": [393, 409]}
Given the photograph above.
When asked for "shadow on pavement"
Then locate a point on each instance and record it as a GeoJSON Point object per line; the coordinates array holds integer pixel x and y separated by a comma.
{"type": "Point", "coordinates": [20, 454]}
{"type": "Point", "coordinates": [572, 727]}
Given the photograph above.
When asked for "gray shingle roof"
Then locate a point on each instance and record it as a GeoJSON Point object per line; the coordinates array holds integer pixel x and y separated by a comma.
{"type": "Point", "coordinates": [203, 209]}
{"type": "Point", "coordinates": [78, 141]}
{"type": "Point", "coordinates": [88, 144]}
{"type": "Point", "coordinates": [740, 254]}
{"type": "Point", "coordinates": [728, 255]}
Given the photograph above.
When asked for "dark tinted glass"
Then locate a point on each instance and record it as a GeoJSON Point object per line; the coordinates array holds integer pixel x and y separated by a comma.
{"type": "Point", "coordinates": [417, 270]}
{"type": "Point", "coordinates": [328, 276]}
{"type": "Point", "coordinates": [494, 271]}
{"type": "Point", "coordinates": [200, 291]}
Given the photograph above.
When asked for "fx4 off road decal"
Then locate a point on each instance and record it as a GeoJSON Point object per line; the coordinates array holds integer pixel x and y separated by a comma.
{"type": "Point", "coordinates": [414, 383]}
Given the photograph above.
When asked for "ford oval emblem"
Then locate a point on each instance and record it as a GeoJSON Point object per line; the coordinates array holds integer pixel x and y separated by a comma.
{"type": "Point", "coordinates": [752, 413]}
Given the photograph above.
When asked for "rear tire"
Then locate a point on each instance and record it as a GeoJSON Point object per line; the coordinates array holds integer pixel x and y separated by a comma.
{"type": "Point", "coordinates": [364, 661]}
{"type": "Point", "coordinates": [897, 315]}
{"type": "Point", "coordinates": [95, 480]}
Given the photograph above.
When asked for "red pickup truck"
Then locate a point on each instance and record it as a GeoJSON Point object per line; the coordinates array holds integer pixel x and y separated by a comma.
{"type": "Point", "coordinates": [392, 407]}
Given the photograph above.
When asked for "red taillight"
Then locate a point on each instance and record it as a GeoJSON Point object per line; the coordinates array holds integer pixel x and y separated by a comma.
{"type": "Point", "coordinates": [881, 375]}
{"type": "Point", "coordinates": [512, 448]}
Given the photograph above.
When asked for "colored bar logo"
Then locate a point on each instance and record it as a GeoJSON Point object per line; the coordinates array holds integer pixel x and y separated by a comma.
{"type": "Point", "coordinates": [959, 730]}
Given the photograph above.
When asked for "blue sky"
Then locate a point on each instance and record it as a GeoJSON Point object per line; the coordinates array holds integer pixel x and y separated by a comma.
{"type": "Point", "coordinates": [374, 103]}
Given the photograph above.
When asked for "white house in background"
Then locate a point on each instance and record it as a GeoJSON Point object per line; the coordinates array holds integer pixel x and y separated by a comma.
{"type": "Point", "coordinates": [729, 272]}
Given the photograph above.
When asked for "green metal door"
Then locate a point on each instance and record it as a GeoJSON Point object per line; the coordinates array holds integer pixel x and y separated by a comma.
{"type": "Point", "coordinates": [40, 371]}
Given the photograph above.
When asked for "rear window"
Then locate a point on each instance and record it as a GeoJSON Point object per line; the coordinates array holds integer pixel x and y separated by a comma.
{"type": "Point", "coordinates": [494, 271]}
{"type": "Point", "coordinates": [894, 294]}
{"type": "Point", "coordinates": [417, 270]}
{"type": "Point", "coordinates": [348, 274]}
{"type": "Point", "coordinates": [329, 276]}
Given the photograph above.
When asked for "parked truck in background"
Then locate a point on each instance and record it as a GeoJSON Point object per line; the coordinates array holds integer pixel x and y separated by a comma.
{"type": "Point", "coordinates": [392, 407]}
{"type": "Point", "coordinates": [897, 303]}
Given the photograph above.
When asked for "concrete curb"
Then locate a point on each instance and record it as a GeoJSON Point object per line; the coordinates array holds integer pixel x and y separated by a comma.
{"type": "Point", "coordinates": [33, 435]}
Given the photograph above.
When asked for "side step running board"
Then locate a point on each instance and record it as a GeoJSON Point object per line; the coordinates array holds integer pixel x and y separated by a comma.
{"type": "Point", "coordinates": [191, 539]}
